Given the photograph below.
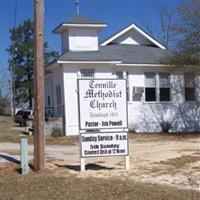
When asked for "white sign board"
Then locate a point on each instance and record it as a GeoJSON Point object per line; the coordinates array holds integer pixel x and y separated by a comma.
{"type": "Point", "coordinates": [102, 103]}
{"type": "Point", "coordinates": [104, 144]}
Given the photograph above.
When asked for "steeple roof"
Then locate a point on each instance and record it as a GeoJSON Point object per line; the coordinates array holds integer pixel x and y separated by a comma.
{"type": "Point", "coordinates": [78, 21]}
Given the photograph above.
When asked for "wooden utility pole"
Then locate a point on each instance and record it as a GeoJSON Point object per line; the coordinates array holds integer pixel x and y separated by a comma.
{"type": "Point", "coordinates": [39, 142]}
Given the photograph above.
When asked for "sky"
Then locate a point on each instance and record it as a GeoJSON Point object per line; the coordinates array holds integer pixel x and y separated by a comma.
{"type": "Point", "coordinates": [116, 13]}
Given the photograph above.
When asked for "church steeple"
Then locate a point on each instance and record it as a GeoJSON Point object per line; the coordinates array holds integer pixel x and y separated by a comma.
{"type": "Point", "coordinates": [79, 34]}
{"type": "Point", "coordinates": [77, 7]}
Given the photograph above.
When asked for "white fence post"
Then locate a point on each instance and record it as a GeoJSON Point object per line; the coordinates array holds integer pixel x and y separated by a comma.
{"type": "Point", "coordinates": [127, 165]}
{"type": "Point", "coordinates": [82, 164]}
{"type": "Point", "coordinates": [24, 155]}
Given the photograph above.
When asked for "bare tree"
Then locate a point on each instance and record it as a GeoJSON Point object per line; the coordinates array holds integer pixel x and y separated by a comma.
{"type": "Point", "coordinates": [167, 17]}
{"type": "Point", "coordinates": [188, 30]}
{"type": "Point", "coordinates": [164, 33]}
{"type": "Point", "coordinates": [187, 34]}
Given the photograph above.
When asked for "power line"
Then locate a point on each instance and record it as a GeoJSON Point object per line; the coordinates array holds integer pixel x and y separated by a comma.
{"type": "Point", "coordinates": [13, 63]}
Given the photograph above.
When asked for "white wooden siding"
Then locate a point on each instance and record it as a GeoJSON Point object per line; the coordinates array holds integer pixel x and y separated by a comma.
{"type": "Point", "coordinates": [143, 116]}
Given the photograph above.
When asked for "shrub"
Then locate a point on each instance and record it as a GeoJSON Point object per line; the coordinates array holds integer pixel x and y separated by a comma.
{"type": "Point", "coordinates": [132, 128]}
{"type": "Point", "coordinates": [57, 132]}
{"type": "Point", "coordinates": [166, 126]}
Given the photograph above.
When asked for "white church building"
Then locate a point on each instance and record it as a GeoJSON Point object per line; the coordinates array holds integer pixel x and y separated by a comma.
{"type": "Point", "coordinates": [158, 94]}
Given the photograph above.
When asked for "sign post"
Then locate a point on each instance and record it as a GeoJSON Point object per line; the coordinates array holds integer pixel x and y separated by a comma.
{"type": "Point", "coordinates": [103, 118]}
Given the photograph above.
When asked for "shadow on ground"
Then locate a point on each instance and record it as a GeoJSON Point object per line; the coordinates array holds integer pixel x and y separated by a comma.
{"type": "Point", "coordinates": [87, 167]}
{"type": "Point", "coordinates": [10, 159]}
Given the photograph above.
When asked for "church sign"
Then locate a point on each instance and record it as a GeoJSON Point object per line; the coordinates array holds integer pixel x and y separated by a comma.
{"type": "Point", "coordinates": [104, 144]}
{"type": "Point", "coordinates": [103, 119]}
{"type": "Point", "coordinates": [102, 104]}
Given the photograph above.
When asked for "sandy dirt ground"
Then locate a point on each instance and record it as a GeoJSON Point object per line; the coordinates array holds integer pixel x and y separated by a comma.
{"type": "Point", "coordinates": [155, 159]}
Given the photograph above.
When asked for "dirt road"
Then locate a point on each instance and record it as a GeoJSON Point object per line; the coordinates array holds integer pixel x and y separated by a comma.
{"type": "Point", "coordinates": [161, 159]}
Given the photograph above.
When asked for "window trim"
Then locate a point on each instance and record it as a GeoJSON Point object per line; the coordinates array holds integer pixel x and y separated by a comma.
{"type": "Point", "coordinates": [142, 94]}
{"type": "Point", "coordinates": [59, 99]}
{"type": "Point", "coordinates": [48, 100]}
{"type": "Point", "coordinates": [157, 87]}
{"type": "Point", "coordinates": [145, 74]}
{"type": "Point", "coordinates": [81, 73]}
{"type": "Point", "coordinates": [195, 86]}
{"type": "Point", "coordinates": [155, 94]}
{"type": "Point", "coordinates": [119, 73]}
{"type": "Point", "coordinates": [170, 91]}
{"type": "Point", "coordinates": [125, 75]}
{"type": "Point", "coordinates": [169, 94]}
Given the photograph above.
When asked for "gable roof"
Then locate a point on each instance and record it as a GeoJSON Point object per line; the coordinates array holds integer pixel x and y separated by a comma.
{"type": "Point", "coordinates": [136, 28]}
{"type": "Point", "coordinates": [123, 53]}
{"type": "Point", "coordinates": [78, 21]}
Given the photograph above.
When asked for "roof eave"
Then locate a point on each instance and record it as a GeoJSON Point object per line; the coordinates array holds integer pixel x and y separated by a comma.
{"type": "Point", "coordinates": [89, 62]}
{"type": "Point", "coordinates": [63, 26]}
{"type": "Point", "coordinates": [51, 65]}
{"type": "Point", "coordinates": [132, 26]}
{"type": "Point", "coordinates": [144, 65]}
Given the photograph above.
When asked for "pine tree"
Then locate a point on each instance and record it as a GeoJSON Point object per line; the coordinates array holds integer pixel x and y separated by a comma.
{"type": "Point", "coordinates": [21, 61]}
